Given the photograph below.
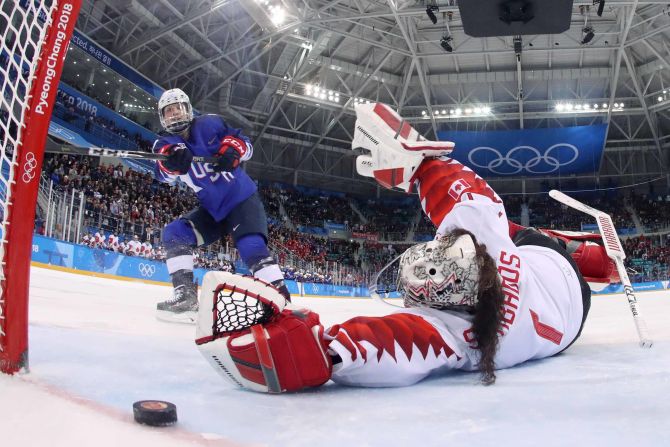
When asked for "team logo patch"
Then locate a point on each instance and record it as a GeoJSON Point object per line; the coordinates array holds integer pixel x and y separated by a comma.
{"type": "Point", "coordinates": [457, 188]}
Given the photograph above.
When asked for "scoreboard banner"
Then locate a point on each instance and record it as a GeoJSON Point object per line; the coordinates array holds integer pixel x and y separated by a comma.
{"type": "Point", "coordinates": [529, 152]}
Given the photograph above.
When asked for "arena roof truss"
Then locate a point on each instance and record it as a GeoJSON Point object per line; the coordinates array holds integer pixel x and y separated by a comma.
{"type": "Point", "coordinates": [275, 78]}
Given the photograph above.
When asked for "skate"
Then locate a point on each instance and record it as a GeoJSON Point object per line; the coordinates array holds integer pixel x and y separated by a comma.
{"type": "Point", "coordinates": [182, 308]}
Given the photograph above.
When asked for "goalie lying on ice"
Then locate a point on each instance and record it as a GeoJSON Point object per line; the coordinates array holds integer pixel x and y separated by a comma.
{"type": "Point", "coordinates": [485, 294]}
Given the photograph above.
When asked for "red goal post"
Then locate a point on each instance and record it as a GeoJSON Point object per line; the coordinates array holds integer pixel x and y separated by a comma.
{"type": "Point", "coordinates": [35, 38]}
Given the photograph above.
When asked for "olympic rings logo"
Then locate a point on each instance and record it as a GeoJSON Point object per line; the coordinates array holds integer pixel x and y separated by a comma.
{"type": "Point", "coordinates": [146, 270]}
{"type": "Point", "coordinates": [513, 162]}
{"type": "Point", "coordinates": [29, 167]}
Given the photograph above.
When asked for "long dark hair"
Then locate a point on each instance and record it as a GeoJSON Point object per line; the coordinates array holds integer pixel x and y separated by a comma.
{"type": "Point", "coordinates": [488, 312]}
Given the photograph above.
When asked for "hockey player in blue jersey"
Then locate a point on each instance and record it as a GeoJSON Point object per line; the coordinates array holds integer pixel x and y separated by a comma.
{"type": "Point", "coordinates": [229, 202]}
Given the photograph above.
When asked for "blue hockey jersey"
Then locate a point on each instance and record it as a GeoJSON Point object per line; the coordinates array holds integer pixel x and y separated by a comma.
{"type": "Point", "coordinates": [218, 192]}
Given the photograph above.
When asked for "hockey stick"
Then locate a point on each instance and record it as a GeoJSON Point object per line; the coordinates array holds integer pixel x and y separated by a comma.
{"type": "Point", "coordinates": [55, 148]}
{"type": "Point", "coordinates": [615, 252]}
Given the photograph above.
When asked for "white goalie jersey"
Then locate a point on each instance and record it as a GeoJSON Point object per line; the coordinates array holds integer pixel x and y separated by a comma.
{"type": "Point", "coordinates": [543, 306]}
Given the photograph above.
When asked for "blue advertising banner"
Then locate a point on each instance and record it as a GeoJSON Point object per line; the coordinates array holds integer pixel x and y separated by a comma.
{"type": "Point", "coordinates": [72, 137]}
{"type": "Point", "coordinates": [529, 152]}
{"type": "Point", "coordinates": [328, 225]}
{"type": "Point", "coordinates": [88, 106]}
{"type": "Point", "coordinates": [50, 251]}
{"type": "Point", "coordinates": [94, 50]}
{"type": "Point", "coordinates": [637, 286]}
{"type": "Point", "coordinates": [82, 41]}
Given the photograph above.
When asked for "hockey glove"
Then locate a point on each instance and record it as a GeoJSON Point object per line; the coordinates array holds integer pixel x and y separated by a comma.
{"type": "Point", "coordinates": [178, 161]}
{"type": "Point", "coordinates": [246, 336]}
{"type": "Point", "coordinates": [230, 152]}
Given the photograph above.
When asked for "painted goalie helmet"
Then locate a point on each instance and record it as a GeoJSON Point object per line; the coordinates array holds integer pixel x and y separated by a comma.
{"type": "Point", "coordinates": [442, 274]}
{"type": "Point", "coordinates": [180, 113]}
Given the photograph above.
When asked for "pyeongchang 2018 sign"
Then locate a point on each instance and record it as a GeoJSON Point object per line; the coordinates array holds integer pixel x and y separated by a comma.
{"type": "Point", "coordinates": [529, 152]}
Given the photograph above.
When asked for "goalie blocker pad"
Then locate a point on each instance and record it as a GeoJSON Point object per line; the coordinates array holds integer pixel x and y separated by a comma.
{"type": "Point", "coordinates": [248, 337]}
{"type": "Point", "coordinates": [396, 148]}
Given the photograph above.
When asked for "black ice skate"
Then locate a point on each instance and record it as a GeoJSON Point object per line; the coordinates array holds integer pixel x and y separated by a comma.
{"type": "Point", "coordinates": [182, 308]}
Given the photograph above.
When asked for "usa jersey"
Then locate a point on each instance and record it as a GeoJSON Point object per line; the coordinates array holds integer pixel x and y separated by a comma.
{"type": "Point", "coordinates": [218, 192]}
{"type": "Point", "coordinates": [542, 297]}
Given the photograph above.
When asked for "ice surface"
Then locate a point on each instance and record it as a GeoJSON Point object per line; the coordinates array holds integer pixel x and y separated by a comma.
{"type": "Point", "coordinates": [95, 348]}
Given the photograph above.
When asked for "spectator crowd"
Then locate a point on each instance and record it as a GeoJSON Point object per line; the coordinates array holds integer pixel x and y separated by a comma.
{"type": "Point", "coordinates": [128, 209]}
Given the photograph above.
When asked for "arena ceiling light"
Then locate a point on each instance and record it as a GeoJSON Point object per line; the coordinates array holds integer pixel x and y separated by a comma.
{"type": "Point", "coordinates": [277, 14]}
{"type": "Point", "coordinates": [323, 94]}
{"type": "Point", "coordinates": [568, 107]}
{"type": "Point", "coordinates": [467, 111]}
{"type": "Point", "coordinates": [268, 14]}
{"type": "Point", "coordinates": [361, 100]}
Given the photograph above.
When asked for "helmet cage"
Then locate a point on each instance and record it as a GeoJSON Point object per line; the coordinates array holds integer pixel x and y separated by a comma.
{"type": "Point", "coordinates": [179, 121]}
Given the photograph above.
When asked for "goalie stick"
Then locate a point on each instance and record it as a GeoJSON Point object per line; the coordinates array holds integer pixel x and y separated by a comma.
{"type": "Point", "coordinates": [616, 253]}
{"type": "Point", "coordinates": [56, 148]}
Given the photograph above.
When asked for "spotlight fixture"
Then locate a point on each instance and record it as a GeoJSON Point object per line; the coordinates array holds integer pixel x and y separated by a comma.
{"type": "Point", "coordinates": [601, 7]}
{"type": "Point", "coordinates": [430, 11]}
{"type": "Point", "coordinates": [445, 43]}
{"type": "Point", "coordinates": [588, 34]}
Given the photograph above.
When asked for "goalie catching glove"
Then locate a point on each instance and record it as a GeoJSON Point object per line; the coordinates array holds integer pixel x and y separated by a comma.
{"type": "Point", "coordinates": [248, 336]}
{"type": "Point", "coordinates": [396, 148]}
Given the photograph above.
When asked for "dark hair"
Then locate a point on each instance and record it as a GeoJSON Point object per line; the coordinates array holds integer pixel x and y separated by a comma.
{"type": "Point", "coordinates": [488, 311]}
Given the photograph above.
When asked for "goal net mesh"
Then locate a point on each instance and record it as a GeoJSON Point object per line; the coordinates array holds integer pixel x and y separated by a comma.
{"type": "Point", "coordinates": [35, 35]}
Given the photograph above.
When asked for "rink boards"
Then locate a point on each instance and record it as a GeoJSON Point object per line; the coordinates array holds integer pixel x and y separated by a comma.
{"type": "Point", "coordinates": [68, 257]}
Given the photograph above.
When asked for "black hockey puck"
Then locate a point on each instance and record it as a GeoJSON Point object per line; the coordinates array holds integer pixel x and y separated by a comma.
{"type": "Point", "coordinates": [156, 413]}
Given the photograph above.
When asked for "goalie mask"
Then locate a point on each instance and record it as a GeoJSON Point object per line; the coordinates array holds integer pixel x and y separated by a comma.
{"type": "Point", "coordinates": [175, 111]}
{"type": "Point", "coordinates": [442, 274]}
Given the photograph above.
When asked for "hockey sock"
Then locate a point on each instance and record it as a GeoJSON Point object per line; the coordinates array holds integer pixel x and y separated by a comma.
{"type": "Point", "coordinates": [267, 270]}
{"type": "Point", "coordinates": [179, 240]}
{"type": "Point", "coordinates": [255, 254]}
{"type": "Point", "coordinates": [252, 248]}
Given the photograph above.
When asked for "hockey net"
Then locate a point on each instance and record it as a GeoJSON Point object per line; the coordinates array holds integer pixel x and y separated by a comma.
{"type": "Point", "coordinates": [35, 37]}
